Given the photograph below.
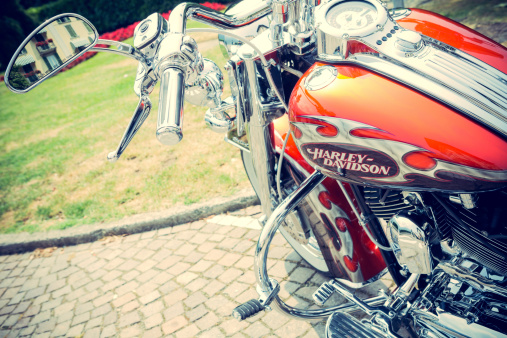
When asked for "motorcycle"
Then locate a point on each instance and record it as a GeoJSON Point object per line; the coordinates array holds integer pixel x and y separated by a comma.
{"type": "Point", "coordinates": [376, 141]}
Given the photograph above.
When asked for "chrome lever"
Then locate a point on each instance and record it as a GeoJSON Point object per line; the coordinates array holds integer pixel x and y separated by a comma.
{"type": "Point", "coordinates": [140, 114]}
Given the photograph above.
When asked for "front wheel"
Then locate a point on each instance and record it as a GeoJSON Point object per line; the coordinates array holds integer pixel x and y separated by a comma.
{"type": "Point", "coordinates": [295, 229]}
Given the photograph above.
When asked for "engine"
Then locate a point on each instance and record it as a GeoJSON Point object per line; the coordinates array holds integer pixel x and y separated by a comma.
{"type": "Point", "coordinates": [459, 242]}
{"type": "Point", "coordinates": [476, 223]}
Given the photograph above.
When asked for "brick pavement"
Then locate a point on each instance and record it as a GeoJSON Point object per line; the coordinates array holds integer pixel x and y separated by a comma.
{"type": "Point", "coordinates": [179, 282]}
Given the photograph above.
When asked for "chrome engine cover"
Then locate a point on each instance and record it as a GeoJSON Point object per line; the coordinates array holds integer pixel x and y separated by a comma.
{"type": "Point", "coordinates": [409, 242]}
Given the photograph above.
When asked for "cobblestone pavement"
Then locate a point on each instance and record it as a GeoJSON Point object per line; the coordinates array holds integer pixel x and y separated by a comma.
{"type": "Point", "coordinates": [180, 282]}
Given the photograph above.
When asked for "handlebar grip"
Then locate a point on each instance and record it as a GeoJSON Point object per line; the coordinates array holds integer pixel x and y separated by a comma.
{"type": "Point", "coordinates": [170, 106]}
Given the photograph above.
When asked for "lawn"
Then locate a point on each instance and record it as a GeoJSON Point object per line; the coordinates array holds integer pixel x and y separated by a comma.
{"type": "Point", "coordinates": [54, 141]}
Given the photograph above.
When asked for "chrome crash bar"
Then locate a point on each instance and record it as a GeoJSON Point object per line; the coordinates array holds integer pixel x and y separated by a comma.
{"type": "Point", "coordinates": [266, 285]}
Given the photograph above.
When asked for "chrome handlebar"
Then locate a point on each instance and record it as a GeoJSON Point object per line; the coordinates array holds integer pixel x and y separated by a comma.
{"type": "Point", "coordinates": [170, 107]}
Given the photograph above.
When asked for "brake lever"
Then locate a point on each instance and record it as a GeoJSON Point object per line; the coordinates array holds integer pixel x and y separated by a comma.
{"type": "Point", "coordinates": [140, 114]}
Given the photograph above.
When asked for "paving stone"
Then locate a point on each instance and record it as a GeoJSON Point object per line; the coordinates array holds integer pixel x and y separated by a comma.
{"type": "Point", "coordinates": [258, 330]}
{"type": "Point", "coordinates": [25, 332]}
{"type": "Point", "coordinates": [21, 322]}
{"type": "Point", "coordinates": [130, 275]}
{"type": "Point", "coordinates": [102, 310]}
{"type": "Point", "coordinates": [95, 322]}
{"type": "Point", "coordinates": [110, 318]}
{"type": "Point", "coordinates": [92, 333]}
{"type": "Point", "coordinates": [82, 318]}
{"type": "Point", "coordinates": [213, 333]}
{"type": "Point", "coordinates": [208, 321]}
{"type": "Point", "coordinates": [147, 276]}
{"type": "Point", "coordinates": [235, 289]}
{"type": "Point", "coordinates": [146, 265]}
{"type": "Point", "coordinates": [17, 298]}
{"type": "Point", "coordinates": [214, 255]}
{"type": "Point", "coordinates": [215, 271]}
{"type": "Point", "coordinates": [301, 275]}
{"type": "Point", "coordinates": [232, 326]}
{"type": "Point", "coordinates": [10, 293]}
{"type": "Point", "coordinates": [213, 287]}
{"type": "Point", "coordinates": [152, 308]}
{"type": "Point", "coordinates": [229, 259]}
{"type": "Point", "coordinates": [175, 296]}
{"type": "Point", "coordinates": [177, 269]}
{"type": "Point", "coordinates": [130, 286]}
{"type": "Point", "coordinates": [130, 306]}
{"type": "Point", "coordinates": [108, 331]}
{"type": "Point", "coordinates": [112, 285]}
{"type": "Point", "coordinates": [207, 247]}
{"type": "Point", "coordinates": [195, 299]}
{"type": "Point", "coordinates": [10, 321]}
{"type": "Point", "coordinates": [174, 311]}
{"type": "Point", "coordinates": [131, 331]}
{"type": "Point", "coordinates": [189, 331]}
{"type": "Point", "coordinates": [48, 279]}
{"type": "Point", "coordinates": [40, 317]}
{"type": "Point", "coordinates": [230, 275]}
{"type": "Point", "coordinates": [154, 320]}
{"type": "Point", "coordinates": [174, 325]}
{"type": "Point", "coordinates": [18, 282]}
{"type": "Point", "coordinates": [129, 319]}
{"type": "Point", "coordinates": [107, 298]}
{"type": "Point", "coordinates": [196, 313]}
{"type": "Point", "coordinates": [46, 326]}
{"type": "Point", "coordinates": [75, 331]}
{"type": "Point", "coordinates": [153, 333]}
{"type": "Point", "coordinates": [60, 292]}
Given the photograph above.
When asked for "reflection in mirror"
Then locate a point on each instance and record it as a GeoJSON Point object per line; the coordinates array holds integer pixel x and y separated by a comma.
{"type": "Point", "coordinates": [48, 50]}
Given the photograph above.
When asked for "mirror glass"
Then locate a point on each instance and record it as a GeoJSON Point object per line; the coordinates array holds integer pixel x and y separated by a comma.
{"type": "Point", "coordinates": [48, 50]}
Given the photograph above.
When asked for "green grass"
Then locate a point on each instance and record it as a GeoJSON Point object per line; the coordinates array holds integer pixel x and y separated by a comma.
{"type": "Point", "coordinates": [54, 141]}
{"type": "Point", "coordinates": [470, 12]}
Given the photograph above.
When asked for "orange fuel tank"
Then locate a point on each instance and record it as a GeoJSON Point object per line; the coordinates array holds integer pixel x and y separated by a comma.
{"type": "Point", "coordinates": [368, 129]}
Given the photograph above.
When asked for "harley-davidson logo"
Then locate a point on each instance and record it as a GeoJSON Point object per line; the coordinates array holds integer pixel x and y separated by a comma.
{"type": "Point", "coordinates": [354, 160]}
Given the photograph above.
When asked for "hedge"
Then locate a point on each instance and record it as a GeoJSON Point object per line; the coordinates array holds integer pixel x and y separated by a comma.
{"type": "Point", "coordinates": [106, 15]}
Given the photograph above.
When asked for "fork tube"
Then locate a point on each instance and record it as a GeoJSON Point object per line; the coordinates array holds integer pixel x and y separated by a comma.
{"type": "Point", "coordinates": [259, 138]}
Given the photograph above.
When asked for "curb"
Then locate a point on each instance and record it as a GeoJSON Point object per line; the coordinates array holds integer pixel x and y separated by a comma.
{"type": "Point", "coordinates": [25, 242]}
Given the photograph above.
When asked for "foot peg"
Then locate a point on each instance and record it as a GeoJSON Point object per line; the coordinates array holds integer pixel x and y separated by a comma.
{"type": "Point", "coordinates": [254, 306]}
{"type": "Point", "coordinates": [323, 293]}
{"type": "Point", "coordinates": [248, 309]}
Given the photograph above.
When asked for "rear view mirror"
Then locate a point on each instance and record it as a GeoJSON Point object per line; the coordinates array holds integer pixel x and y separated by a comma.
{"type": "Point", "coordinates": [52, 46]}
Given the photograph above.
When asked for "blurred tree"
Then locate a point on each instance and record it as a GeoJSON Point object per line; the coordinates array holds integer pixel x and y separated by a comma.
{"type": "Point", "coordinates": [15, 26]}
{"type": "Point", "coordinates": [18, 81]}
{"type": "Point", "coordinates": [33, 3]}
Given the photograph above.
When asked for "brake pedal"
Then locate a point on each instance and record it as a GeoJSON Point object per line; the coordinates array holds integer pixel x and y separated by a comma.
{"type": "Point", "coordinates": [323, 293]}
